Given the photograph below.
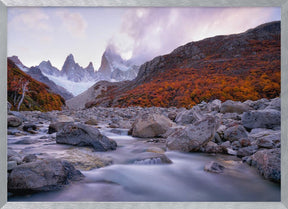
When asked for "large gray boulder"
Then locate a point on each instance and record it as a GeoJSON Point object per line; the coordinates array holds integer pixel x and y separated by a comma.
{"type": "Point", "coordinates": [150, 125]}
{"type": "Point", "coordinates": [268, 163]}
{"type": "Point", "coordinates": [274, 104]}
{"type": "Point", "coordinates": [194, 136]}
{"type": "Point", "coordinates": [189, 116]}
{"type": "Point", "coordinates": [13, 121]}
{"type": "Point", "coordinates": [45, 175]}
{"type": "Point", "coordinates": [232, 106]}
{"type": "Point", "coordinates": [83, 135]}
{"type": "Point", "coordinates": [235, 133]}
{"type": "Point", "coordinates": [268, 118]}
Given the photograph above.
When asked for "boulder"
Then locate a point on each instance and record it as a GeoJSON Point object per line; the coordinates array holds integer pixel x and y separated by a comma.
{"type": "Point", "coordinates": [232, 106]}
{"type": "Point", "coordinates": [45, 175]}
{"type": "Point", "coordinates": [244, 142]}
{"type": "Point", "coordinates": [11, 165]}
{"type": "Point", "coordinates": [83, 135]}
{"type": "Point", "coordinates": [150, 158]}
{"type": "Point", "coordinates": [235, 145]}
{"type": "Point", "coordinates": [275, 104]}
{"type": "Point", "coordinates": [215, 105]}
{"type": "Point", "coordinates": [235, 133]}
{"type": "Point", "coordinates": [150, 125]}
{"type": "Point", "coordinates": [268, 118]}
{"type": "Point", "coordinates": [29, 158]}
{"type": "Point", "coordinates": [172, 116]}
{"type": "Point", "coordinates": [265, 142]}
{"type": "Point", "coordinates": [189, 116]}
{"type": "Point", "coordinates": [55, 127]}
{"type": "Point", "coordinates": [13, 121]}
{"type": "Point", "coordinates": [212, 147]}
{"type": "Point", "coordinates": [268, 163]}
{"type": "Point", "coordinates": [214, 167]}
{"type": "Point", "coordinates": [29, 127]}
{"type": "Point", "coordinates": [194, 136]}
{"type": "Point", "coordinates": [247, 151]}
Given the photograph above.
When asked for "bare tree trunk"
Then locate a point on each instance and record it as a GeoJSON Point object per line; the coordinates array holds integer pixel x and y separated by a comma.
{"type": "Point", "coordinates": [24, 90]}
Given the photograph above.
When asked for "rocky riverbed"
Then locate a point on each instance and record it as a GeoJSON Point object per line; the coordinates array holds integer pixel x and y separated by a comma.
{"type": "Point", "coordinates": [212, 152]}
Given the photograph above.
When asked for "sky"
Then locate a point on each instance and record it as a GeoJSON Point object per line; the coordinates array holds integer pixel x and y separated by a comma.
{"type": "Point", "coordinates": [137, 34]}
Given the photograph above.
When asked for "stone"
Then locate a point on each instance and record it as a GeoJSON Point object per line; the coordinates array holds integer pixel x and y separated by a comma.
{"type": "Point", "coordinates": [235, 145]}
{"type": "Point", "coordinates": [247, 151]}
{"type": "Point", "coordinates": [45, 175]}
{"type": "Point", "coordinates": [194, 136]}
{"type": "Point", "coordinates": [232, 106]}
{"type": "Point", "coordinates": [231, 151]}
{"type": "Point", "coordinates": [27, 141]}
{"type": "Point", "coordinates": [226, 144]}
{"type": "Point", "coordinates": [11, 153]}
{"type": "Point", "coordinates": [215, 105]}
{"type": "Point", "coordinates": [189, 116]}
{"type": "Point", "coordinates": [29, 127]}
{"type": "Point", "coordinates": [274, 104]}
{"type": "Point", "coordinates": [29, 158]}
{"type": "Point", "coordinates": [150, 125]}
{"type": "Point", "coordinates": [214, 167]}
{"type": "Point", "coordinates": [268, 163]}
{"type": "Point", "coordinates": [13, 121]}
{"type": "Point", "coordinates": [235, 133]}
{"type": "Point", "coordinates": [55, 127]}
{"type": "Point", "coordinates": [212, 147]}
{"type": "Point", "coordinates": [172, 116]}
{"type": "Point", "coordinates": [150, 158]}
{"type": "Point", "coordinates": [83, 135]}
{"type": "Point", "coordinates": [265, 142]}
{"type": "Point", "coordinates": [245, 142]}
{"type": "Point", "coordinates": [18, 160]}
{"type": "Point", "coordinates": [11, 165]}
{"type": "Point", "coordinates": [268, 118]}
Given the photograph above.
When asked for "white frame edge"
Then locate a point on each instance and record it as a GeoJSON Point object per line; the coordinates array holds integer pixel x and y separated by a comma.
{"type": "Point", "coordinates": [144, 205]}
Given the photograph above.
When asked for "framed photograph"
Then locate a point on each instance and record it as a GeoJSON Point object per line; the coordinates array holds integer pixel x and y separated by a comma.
{"type": "Point", "coordinates": [143, 104]}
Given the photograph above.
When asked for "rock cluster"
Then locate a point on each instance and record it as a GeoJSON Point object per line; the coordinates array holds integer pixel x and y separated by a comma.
{"type": "Point", "coordinates": [249, 130]}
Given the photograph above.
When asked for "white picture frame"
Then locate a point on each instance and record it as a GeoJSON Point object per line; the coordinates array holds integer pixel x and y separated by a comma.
{"type": "Point", "coordinates": [4, 4]}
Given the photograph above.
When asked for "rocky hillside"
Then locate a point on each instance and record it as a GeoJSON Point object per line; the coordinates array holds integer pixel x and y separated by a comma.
{"type": "Point", "coordinates": [239, 67]}
{"type": "Point", "coordinates": [38, 73]}
{"type": "Point", "coordinates": [30, 93]}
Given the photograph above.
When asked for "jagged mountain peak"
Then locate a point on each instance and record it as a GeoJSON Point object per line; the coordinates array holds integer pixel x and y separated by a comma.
{"type": "Point", "coordinates": [70, 57]}
{"type": "Point", "coordinates": [90, 66]}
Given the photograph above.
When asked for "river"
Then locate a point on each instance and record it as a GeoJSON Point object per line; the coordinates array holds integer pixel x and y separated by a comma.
{"type": "Point", "coordinates": [183, 180]}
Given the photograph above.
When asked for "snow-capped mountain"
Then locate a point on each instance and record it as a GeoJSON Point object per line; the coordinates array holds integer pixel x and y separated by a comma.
{"type": "Point", "coordinates": [77, 79]}
{"type": "Point", "coordinates": [114, 68]}
{"type": "Point", "coordinates": [74, 72]}
{"type": "Point", "coordinates": [47, 68]}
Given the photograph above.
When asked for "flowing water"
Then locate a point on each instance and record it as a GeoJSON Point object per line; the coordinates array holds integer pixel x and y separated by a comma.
{"type": "Point", "coordinates": [183, 180]}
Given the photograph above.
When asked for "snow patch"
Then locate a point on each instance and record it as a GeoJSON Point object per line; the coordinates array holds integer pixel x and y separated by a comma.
{"type": "Point", "coordinates": [75, 88]}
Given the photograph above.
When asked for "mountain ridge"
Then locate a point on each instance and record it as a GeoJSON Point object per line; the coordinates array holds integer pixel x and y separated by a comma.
{"type": "Point", "coordinates": [204, 70]}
